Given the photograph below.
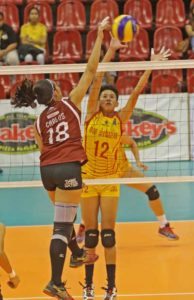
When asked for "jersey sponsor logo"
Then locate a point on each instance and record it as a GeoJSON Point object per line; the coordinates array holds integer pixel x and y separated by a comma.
{"type": "Point", "coordinates": [55, 120]}
{"type": "Point", "coordinates": [51, 109]}
{"type": "Point", "coordinates": [70, 183]}
{"type": "Point", "coordinates": [107, 235]}
{"type": "Point", "coordinates": [103, 133]}
{"type": "Point", "coordinates": [108, 134]}
{"type": "Point", "coordinates": [17, 133]}
{"type": "Point", "coordinates": [149, 129]}
{"type": "Point", "coordinates": [53, 115]}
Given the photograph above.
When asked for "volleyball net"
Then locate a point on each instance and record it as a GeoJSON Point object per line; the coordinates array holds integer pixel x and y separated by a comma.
{"type": "Point", "coordinates": [162, 123]}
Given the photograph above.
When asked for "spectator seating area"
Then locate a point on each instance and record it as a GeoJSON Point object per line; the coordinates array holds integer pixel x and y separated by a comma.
{"type": "Point", "coordinates": [72, 31]}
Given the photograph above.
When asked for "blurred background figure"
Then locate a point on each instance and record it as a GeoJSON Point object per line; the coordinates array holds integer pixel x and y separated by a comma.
{"type": "Point", "coordinates": [189, 27]}
{"type": "Point", "coordinates": [33, 37]}
{"type": "Point", "coordinates": [8, 44]}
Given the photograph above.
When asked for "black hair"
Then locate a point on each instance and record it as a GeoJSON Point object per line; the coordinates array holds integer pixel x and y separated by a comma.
{"type": "Point", "coordinates": [1, 14]}
{"type": "Point", "coordinates": [109, 87]}
{"type": "Point", "coordinates": [32, 8]}
{"type": "Point", "coordinates": [43, 90]}
{"type": "Point", "coordinates": [28, 92]}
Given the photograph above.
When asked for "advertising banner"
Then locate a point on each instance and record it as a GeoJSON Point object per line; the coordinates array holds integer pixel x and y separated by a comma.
{"type": "Point", "coordinates": [159, 125]}
{"type": "Point", "coordinates": [17, 144]}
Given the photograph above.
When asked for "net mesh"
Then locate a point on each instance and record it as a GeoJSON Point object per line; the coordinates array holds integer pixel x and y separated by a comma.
{"type": "Point", "coordinates": [161, 124]}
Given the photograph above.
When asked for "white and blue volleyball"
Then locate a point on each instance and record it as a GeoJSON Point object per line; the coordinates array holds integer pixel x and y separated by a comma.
{"type": "Point", "coordinates": [124, 28]}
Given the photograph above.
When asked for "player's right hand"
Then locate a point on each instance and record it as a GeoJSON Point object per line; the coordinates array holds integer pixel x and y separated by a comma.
{"type": "Point", "coordinates": [115, 44]}
{"type": "Point", "coordinates": [161, 56]}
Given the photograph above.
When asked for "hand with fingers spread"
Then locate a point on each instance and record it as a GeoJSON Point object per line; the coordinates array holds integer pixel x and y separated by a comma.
{"type": "Point", "coordinates": [104, 25]}
{"type": "Point", "coordinates": [161, 56]}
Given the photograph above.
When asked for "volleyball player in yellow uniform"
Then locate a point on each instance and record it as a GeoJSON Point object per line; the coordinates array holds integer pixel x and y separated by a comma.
{"type": "Point", "coordinates": [103, 132]}
{"type": "Point", "coordinates": [127, 170]}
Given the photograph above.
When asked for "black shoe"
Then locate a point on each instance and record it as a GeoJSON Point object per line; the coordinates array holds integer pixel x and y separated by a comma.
{"type": "Point", "coordinates": [86, 258]}
{"type": "Point", "coordinates": [57, 291]}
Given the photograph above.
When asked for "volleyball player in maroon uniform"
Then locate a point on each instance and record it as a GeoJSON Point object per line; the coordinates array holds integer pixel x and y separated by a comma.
{"type": "Point", "coordinates": [58, 135]}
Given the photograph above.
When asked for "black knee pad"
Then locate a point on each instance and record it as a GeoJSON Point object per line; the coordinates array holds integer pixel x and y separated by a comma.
{"type": "Point", "coordinates": [63, 231]}
{"type": "Point", "coordinates": [91, 238]}
{"type": "Point", "coordinates": [153, 193]}
{"type": "Point", "coordinates": [108, 238]}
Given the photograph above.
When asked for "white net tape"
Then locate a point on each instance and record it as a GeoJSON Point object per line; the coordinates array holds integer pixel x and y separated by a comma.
{"type": "Point", "coordinates": [38, 183]}
{"type": "Point", "coordinates": [113, 66]}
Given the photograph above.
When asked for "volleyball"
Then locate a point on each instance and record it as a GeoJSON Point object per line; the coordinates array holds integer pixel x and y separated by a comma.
{"type": "Point", "coordinates": [124, 28]}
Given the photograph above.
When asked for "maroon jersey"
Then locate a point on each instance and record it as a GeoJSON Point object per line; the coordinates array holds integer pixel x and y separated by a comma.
{"type": "Point", "coordinates": [59, 128]}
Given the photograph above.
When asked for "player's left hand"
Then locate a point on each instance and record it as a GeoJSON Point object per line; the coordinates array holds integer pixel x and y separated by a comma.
{"type": "Point", "coordinates": [161, 56]}
{"type": "Point", "coordinates": [142, 166]}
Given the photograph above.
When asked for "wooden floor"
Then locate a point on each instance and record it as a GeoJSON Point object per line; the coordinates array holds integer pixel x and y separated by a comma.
{"type": "Point", "coordinates": [149, 267]}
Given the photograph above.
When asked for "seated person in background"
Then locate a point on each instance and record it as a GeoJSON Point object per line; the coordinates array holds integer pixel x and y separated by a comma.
{"type": "Point", "coordinates": [33, 37]}
{"type": "Point", "coordinates": [189, 27]}
{"type": "Point", "coordinates": [8, 43]}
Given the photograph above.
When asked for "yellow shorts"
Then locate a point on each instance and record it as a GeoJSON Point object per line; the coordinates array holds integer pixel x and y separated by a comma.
{"type": "Point", "coordinates": [101, 190]}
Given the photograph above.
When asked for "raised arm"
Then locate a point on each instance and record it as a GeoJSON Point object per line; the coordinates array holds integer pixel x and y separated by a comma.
{"type": "Point", "coordinates": [92, 105]}
{"type": "Point", "coordinates": [127, 110]}
{"type": "Point", "coordinates": [80, 90]}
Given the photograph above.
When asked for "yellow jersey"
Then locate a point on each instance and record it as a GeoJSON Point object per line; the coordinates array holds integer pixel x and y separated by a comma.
{"type": "Point", "coordinates": [123, 162]}
{"type": "Point", "coordinates": [102, 137]}
{"type": "Point", "coordinates": [35, 32]}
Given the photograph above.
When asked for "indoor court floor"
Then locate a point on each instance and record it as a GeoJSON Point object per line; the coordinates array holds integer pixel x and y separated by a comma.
{"type": "Point", "coordinates": [149, 267]}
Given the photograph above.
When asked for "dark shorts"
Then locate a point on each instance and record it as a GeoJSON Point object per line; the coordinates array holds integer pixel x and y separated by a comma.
{"type": "Point", "coordinates": [65, 176]}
